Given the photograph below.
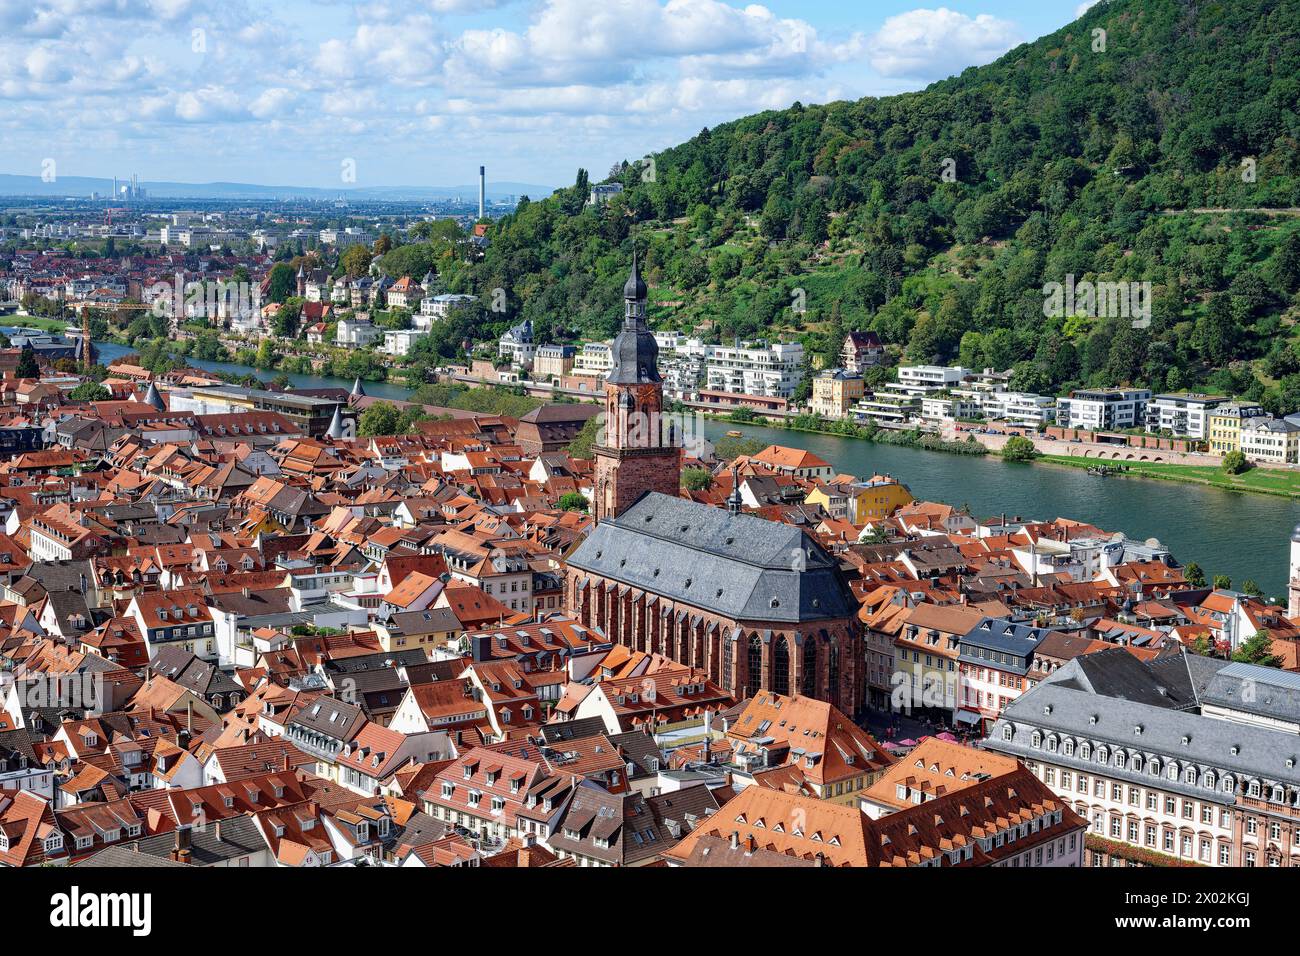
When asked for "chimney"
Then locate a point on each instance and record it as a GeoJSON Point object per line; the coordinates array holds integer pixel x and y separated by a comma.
{"type": "Point", "coordinates": [181, 851]}
{"type": "Point", "coordinates": [735, 839]}
{"type": "Point", "coordinates": [482, 190]}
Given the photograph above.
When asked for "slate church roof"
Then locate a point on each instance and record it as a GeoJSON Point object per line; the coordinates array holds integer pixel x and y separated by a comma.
{"type": "Point", "coordinates": [739, 566]}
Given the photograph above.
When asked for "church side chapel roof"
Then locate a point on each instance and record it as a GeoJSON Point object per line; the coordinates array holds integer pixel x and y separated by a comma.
{"type": "Point", "coordinates": [739, 566]}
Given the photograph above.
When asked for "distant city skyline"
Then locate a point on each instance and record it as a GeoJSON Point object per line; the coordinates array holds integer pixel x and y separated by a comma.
{"type": "Point", "coordinates": [401, 93]}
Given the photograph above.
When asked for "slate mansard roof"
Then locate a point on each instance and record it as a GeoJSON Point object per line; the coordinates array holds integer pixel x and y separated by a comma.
{"type": "Point", "coordinates": [739, 566]}
{"type": "Point", "coordinates": [1069, 706]}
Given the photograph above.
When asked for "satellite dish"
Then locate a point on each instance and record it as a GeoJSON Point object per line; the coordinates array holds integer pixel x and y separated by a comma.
{"type": "Point", "coordinates": [1153, 542]}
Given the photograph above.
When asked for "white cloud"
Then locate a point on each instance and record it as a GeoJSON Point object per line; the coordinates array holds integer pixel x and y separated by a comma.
{"type": "Point", "coordinates": [1084, 7]}
{"type": "Point", "coordinates": [407, 49]}
{"type": "Point", "coordinates": [932, 44]}
{"type": "Point", "coordinates": [208, 104]}
{"type": "Point", "coordinates": [272, 103]}
{"type": "Point", "coordinates": [548, 83]}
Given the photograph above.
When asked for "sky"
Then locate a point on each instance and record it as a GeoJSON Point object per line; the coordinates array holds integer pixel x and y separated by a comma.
{"type": "Point", "coordinates": [421, 92]}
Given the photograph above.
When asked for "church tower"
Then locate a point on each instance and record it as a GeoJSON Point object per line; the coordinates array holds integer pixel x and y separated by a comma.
{"type": "Point", "coordinates": [639, 450]}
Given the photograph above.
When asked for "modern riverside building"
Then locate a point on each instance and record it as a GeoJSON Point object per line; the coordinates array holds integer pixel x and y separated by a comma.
{"type": "Point", "coordinates": [1096, 409]}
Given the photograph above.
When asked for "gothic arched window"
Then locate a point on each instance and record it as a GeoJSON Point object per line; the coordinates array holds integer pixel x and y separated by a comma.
{"type": "Point", "coordinates": [755, 664]}
{"type": "Point", "coordinates": [810, 667]}
{"type": "Point", "coordinates": [781, 667]}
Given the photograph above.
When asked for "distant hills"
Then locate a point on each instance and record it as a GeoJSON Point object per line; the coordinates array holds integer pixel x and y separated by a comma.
{"type": "Point", "coordinates": [80, 187]}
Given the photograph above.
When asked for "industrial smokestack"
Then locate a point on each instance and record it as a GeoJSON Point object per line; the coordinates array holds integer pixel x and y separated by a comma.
{"type": "Point", "coordinates": [482, 190]}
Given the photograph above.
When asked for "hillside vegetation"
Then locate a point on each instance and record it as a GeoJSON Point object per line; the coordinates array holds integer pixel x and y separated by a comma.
{"type": "Point", "coordinates": [1166, 153]}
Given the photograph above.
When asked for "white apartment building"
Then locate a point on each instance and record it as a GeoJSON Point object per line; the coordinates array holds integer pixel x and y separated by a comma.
{"type": "Point", "coordinates": [769, 371]}
{"type": "Point", "coordinates": [435, 307]}
{"type": "Point", "coordinates": [357, 333]}
{"type": "Point", "coordinates": [398, 342]}
{"type": "Point", "coordinates": [889, 406]}
{"type": "Point", "coordinates": [1021, 408]}
{"type": "Point", "coordinates": [342, 238]}
{"type": "Point", "coordinates": [921, 379]}
{"type": "Point", "coordinates": [1103, 408]}
{"type": "Point", "coordinates": [1186, 416]}
{"type": "Point", "coordinates": [936, 408]}
{"type": "Point", "coordinates": [594, 358]}
{"type": "Point", "coordinates": [682, 375]}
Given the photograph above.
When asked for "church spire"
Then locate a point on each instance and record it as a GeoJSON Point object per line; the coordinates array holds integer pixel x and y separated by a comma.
{"type": "Point", "coordinates": [635, 293]}
{"type": "Point", "coordinates": [335, 430]}
{"type": "Point", "coordinates": [635, 352]}
{"type": "Point", "coordinates": [735, 503]}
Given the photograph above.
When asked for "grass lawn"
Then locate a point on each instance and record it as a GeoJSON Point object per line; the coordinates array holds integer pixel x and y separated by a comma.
{"type": "Point", "coordinates": [34, 322]}
{"type": "Point", "coordinates": [1269, 481]}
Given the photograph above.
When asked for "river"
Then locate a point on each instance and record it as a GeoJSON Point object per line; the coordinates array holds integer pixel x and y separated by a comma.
{"type": "Point", "coordinates": [1244, 536]}
{"type": "Point", "coordinates": [1225, 532]}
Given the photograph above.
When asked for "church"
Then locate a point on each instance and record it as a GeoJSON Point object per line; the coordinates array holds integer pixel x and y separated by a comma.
{"type": "Point", "coordinates": [755, 604]}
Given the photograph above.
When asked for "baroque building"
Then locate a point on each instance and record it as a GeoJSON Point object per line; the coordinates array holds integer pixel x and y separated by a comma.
{"type": "Point", "coordinates": [1182, 758]}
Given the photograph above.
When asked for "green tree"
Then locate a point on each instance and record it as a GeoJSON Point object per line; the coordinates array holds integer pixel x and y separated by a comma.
{"type": "Point", "coordinates": [1250, 587]}
{"type": "Point", "coordinates": [1222, 582]}
{"type": "Point", "coordinates": [1195, 576]}
{"type": "Point", "coordinates": [1019, 448]}
{"type": "Point", "coordinates": [572, 501]}
{"type": "Point", "coordinates": [381, 418]}
{"type": "Point", "coordinates": [697, 479]}
{"type": "Point", "coordinates": [1257, 650]}
{"type": "Point", "coordinates": [90, 392]}
{"type": "Point", "coordinates": [730, 448]}
{"type": "Point", "coordinates": [267, 356]}
{"type": "Point", "coordinates": [28, 367]}
{"type": "Point", "coordinates": [584, 442]}
{"type": "Point", "coordinates": [287, 319]}
{"type": "Point", "coordinates": [1234, 463]}
{"type": "Point", "coordinates": [355, 260]}
{"type": "Point", "coordinates": [284, 282]}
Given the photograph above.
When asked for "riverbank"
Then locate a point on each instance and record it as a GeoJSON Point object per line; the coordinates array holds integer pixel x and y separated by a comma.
{"type": "Point", "coordinates": [1197, 521]}
{"type": "Point", "coordinates": [1260, 481]}
{"type": "Point", "coordinates": [910, 438]}
{"type": "Point", "coordinates": [1280, 483]}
